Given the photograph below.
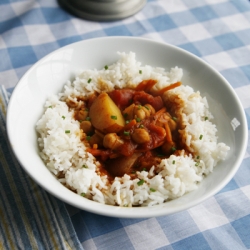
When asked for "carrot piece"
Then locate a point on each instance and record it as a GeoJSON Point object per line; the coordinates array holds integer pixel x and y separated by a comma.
{"type": "Point", "coordinates": [169, 87]}
{"type": "Point", "coordinates": [103, 154]}
{"type": "Point", "coordinates": [129, 125]}
{"type": "Point", "coordinates": [159, 113]}
{"type": "Point", "coordinates": [146, 85]}
{"type": "Point", "coordinates": [168, 133]}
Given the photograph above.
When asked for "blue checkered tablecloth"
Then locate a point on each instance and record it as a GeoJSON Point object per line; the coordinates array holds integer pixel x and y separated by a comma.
{"type": "Point", "coordinates": [218, 31]}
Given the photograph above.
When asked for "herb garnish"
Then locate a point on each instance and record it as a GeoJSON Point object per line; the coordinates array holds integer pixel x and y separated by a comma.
{"type": "Point", "coordinates": [114, 117]}
{"type": "Point", "coordinates": [173, 149]}
{"type": "Point", "coordinates": [126, 133]}
{"type": "Point", "coordinates": [140, 182]}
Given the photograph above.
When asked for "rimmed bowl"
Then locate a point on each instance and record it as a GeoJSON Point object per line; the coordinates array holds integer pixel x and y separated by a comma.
{"type": "Point", "coordinates": [49, 75]}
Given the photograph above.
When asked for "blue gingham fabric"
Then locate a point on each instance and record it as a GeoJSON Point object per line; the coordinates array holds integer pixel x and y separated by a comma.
{"type": "Point", "coordinates": [218, 31]}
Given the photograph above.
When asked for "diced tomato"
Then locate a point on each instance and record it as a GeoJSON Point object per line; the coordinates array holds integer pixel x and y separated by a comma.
{"type": "Point", "coordinates": [144, 98]}
{"type": "Point", "coordinates": [128, 148]}
{"type": "Point", "coordinates": [157, 134]}
{"type": "Point", "coordinates": [122, 97]}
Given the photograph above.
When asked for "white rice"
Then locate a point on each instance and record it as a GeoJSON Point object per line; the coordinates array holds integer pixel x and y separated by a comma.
{"type": "Point", "coordinates": [173, 177]}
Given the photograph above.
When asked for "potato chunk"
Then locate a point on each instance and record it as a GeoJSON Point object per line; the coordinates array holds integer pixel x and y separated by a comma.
{"type": "Point", "coordinates": [105, 115]}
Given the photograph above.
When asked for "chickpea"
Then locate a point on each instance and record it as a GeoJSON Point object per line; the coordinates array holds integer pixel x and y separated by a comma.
{"type": "Point", "coordinates": [112, 141]}
{"type": "Point", "coordinates": [150, 109]}
{"type": "Point", "coordinates": [71, 103]}
{"type": "Point", "coordinates": [167, 147]}
{"type": "Point", "coordinates": [143, 112]}
{"type": "Point", "coordinates": [128, 112]}
{"type": "Point", "coordinates": [95, 139]}
{"type": "Point", "coordinates": [81, 115]}
{"type": "Point", "coordinates": [140, 135]}
{"type": "Point", "coordinates": [172, 124]}
{"type": "Point", "coordinates": [140, 113]}
{"type": "Point", "coordinates": [86, 126]}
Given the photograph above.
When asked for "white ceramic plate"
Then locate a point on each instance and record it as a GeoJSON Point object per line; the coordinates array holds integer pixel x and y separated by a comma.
{"type": "Point", "coordinates": [49, 75]}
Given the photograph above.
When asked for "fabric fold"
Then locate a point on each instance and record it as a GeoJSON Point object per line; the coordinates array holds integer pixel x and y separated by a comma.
{"type": "Point", "coordinates": [30, 217]}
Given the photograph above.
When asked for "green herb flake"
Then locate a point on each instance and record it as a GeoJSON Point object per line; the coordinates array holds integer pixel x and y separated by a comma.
{"type": "Point", "coordinates": [88, 137]}
{"type": "Point", "coordinates": [125, 115]}
{"type": "Point", "coordinates": [174, 118]}
{"type": "Point", "coordinates": [87, 118]}
{"type": "Point", "coordinates": [139, 106]}
{"type": "Point", "coordinates": [197, 164]}
{"type": "Point", "coordinates": [206, 118]}
{"type": "Point", "coordinates": [147, 107]}
{"type": "Point", "coordinates": [126, 133]}
{"type": "Point", "coordinates": [89, 80]}
{"type": "Point", "coordinates": [63, 117]}
{"type": "Point", "coordinates": [173, 162]}
{"type": "Point", "coordinates": [83, 194]}
{"type": "Point", "coordinates": [67, 131]}
{"type": "Point", "coordinates": [152, 190]}
{"type": "Point", "coordinates": [50, 107]}
{"type": "Point", "coordinates": [114, 117]}
{"type": "Point", "coordinates": [160, 155]}
{"type": "Point", "coordinates": [106, 67]}
{"type": "Point", "coordinates": [84, 166]}
{"type": "Point", "coordinates": [197, 157]}
{"type": "Point", "coordinates": [140, 182]}
{"type": "Point", "coordinates": [173, 149]}
{"type": "Point", "coordinates": [140, 71]}
{"type": "Point", "coordinates": [141, 126]}
{"type": "Point", "coordinates": [137, 119]}
{"type": "Point", "coordinates": [127, 122]}
{"type": "Point", "coordinates": [200, 137]}
{"type": "Point", "coordinates": [144, 169]}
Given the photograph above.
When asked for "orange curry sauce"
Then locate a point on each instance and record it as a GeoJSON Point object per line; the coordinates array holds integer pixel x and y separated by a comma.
{"type": "Point", "coordinates": [149, 135]}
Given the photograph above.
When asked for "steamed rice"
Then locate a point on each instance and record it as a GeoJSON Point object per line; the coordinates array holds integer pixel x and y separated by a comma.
{"type": "Point", "coordinates": [65, 154]}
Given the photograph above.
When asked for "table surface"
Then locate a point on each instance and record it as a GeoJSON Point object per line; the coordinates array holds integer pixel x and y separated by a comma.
{"type": "Point", "coordinates": [218, 31]}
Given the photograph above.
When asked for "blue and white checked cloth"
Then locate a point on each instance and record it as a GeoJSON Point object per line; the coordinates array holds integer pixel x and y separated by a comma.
{"type": "Point", "coordinates": [218, 31]}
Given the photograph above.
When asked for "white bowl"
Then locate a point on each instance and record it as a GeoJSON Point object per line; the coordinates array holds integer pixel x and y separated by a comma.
{"type": "Point", "coordinates": [49, 75]}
